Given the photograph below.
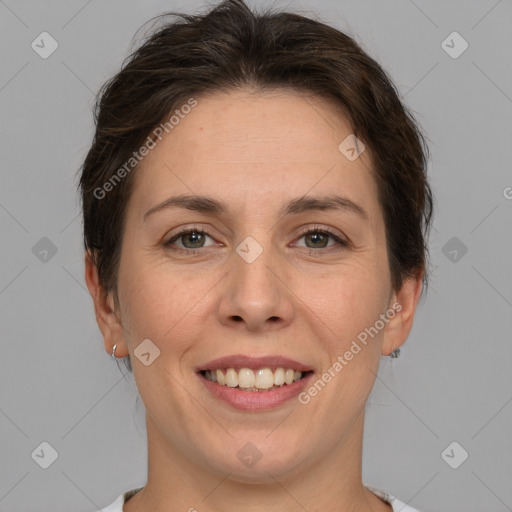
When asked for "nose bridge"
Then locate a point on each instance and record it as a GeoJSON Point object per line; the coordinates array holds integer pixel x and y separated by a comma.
{"type": "Point", "coordinates": [255, 292]}
{"type": "Point", "coordinates": [251, 267]}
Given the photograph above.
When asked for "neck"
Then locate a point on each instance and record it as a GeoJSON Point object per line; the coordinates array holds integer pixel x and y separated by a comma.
{"type": "Point", "coordinates": [176, 481]}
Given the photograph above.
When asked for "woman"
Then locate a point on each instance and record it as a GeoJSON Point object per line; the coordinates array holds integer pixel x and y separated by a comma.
{"type": "Point", "coordinates": [255, 219]}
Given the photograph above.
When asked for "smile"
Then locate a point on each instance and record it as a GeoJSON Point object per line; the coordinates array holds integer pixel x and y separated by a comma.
{"type": "Point", "coordinates": [254, 383]}
{"type": "Point", "coordinates": [246, 379]}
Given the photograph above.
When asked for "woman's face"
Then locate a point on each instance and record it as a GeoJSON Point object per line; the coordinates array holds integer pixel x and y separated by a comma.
{"type": "Point", "coordinates": [255, 285]}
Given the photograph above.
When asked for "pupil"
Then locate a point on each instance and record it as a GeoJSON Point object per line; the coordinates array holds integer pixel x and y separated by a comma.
{"type": "Point", "coordinates": [315, 235]}
{"type": "Point", "coordinates": [194, 234]}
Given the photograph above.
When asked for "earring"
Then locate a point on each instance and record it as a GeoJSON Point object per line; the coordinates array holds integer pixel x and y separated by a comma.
{"type": "Point", "coordinates": [395, 353]}
{"type": "Point", "coordinates": [113, 351]}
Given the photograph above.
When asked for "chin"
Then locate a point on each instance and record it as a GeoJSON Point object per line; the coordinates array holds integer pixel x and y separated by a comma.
{"type": "Point", "coordinates": [260, 474]}
{"type": "Point", "coordinates": [252, 466]}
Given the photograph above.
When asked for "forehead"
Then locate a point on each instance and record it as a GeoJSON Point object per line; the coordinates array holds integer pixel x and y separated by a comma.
{"type": "Point", "coordinates": [258, 126]}
{"type": "Point", "coordinates": [256, 148]}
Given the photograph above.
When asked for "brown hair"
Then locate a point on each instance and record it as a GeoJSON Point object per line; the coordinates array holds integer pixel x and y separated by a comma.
{"type": "Point", "coordinates": [231, 47]}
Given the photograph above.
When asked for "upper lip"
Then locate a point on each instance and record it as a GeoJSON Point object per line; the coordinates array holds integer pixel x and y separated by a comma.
{"type": "Point", "coordinates": [254, 363]}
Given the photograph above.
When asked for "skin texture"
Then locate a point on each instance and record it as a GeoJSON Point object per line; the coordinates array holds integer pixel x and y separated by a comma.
{"type": "Point", "coordinates": [301, 298]}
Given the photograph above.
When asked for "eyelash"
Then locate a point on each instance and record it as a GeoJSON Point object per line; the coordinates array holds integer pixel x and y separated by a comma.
{"type": "Point", "coordinates": [316, 229]}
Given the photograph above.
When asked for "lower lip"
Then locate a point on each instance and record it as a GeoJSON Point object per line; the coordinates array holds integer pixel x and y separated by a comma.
{"type": "Point", "coordinates": [256, 400]}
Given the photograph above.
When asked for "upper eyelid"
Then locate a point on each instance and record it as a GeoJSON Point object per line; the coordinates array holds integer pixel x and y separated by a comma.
{"type": "Point", "coordinates": [303, 232]}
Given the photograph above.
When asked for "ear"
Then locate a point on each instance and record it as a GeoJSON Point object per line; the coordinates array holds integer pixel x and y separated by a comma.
{"type": "Point", "coordinates": [404, 304]}
{"type": "Point", "coordinates": [104, 308]}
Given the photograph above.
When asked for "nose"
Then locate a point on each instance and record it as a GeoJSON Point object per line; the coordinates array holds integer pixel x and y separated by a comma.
{"type": "Point", "coordinates": [256, 296]}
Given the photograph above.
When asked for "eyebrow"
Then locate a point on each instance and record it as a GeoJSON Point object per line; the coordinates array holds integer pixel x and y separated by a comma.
{"type": "Point", "coordinates": [209, 205]}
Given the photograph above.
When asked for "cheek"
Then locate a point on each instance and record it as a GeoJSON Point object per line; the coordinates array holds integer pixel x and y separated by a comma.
{"type": "Point", "coordinates": [345, 303]}
{"type": "Point", "coordinates": [163, 306]}
{"type": "Point", "coordinates": [148, 299]}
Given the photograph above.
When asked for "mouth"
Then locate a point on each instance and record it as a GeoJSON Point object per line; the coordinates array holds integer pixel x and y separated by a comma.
{"type": "Point", "coordinates": [254, 384]}
{"type": "Point", "coordinates": [254, 380]}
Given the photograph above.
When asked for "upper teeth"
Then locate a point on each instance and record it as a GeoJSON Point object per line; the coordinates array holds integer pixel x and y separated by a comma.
{"type": "Point", "coordinates": [246, 378]}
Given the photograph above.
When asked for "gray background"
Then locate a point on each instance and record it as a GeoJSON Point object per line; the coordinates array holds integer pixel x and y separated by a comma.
{"type": "Point", "coordinates": [453, 381]}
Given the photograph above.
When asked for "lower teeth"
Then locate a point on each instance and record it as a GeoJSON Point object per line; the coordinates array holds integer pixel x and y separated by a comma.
{"type": "Point", "coordinates": [256, 389]}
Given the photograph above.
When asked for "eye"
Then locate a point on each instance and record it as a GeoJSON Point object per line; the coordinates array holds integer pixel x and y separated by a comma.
{"type": "Point", "coordinates": [319, 238]}
{"type": "Point", "coordinates": [191, 238]}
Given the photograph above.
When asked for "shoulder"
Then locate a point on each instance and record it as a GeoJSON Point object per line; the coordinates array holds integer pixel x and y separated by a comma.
{"type": "Point", "coordinates": [117, 505]}
{"type": "Point", "coordinates": [398, 506]}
